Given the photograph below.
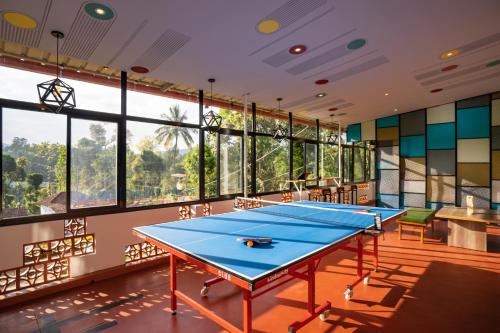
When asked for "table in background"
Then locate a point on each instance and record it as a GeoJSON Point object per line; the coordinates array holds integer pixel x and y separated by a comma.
{"type": "Point", "coordinates": [468, 230]}
{"type": "Point", "coordinates": [300, 240]}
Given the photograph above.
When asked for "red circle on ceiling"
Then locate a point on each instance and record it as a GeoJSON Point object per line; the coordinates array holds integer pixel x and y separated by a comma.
{"type": "Point", "coordinates": [322, 81]}
{"type": "Point", "coordinates": [139, 69]}
{"type": "Point", "coordinates": [448, 68]}
{"type": "Point", "coordinates": [297, 49]}
{"type": "Point", "coordinates": [333, 109]}
{"type": "Point", "coordinates": [436, 90]}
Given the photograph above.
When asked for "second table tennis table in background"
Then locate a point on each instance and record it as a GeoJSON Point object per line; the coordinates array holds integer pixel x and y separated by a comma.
{"type": "Point", "coordinates": [302, 233]}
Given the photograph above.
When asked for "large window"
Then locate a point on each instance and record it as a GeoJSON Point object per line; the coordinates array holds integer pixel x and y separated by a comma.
{"type": "Point", "coordinates": [233, 119]}
{"type": "Point", "coordinates": [328, 161]}
{"type": "Point", "coordinates": [272, 162]}
{"type": "Point", "coordinates": [347, 163]}
{"type": "Point", "coordinates": [162, 164]}
{"type": "Point", "coordinates": [359, 162]}
{"type": "Point", "coordinates": [310, 161]}
{"type": "Point", "coordinates": [231, 164]}
{"type": "Point", "coordinates": [210, 162]}
{"type": "Point", "coordinates": [93, 163]}
{"type": "Point", "coordinates": [298, 159]}
{"type": "Point", "coordinates": [268, 125]}
{"type": "Point", "coordinates": [302, 130]}
{"type": "Point", "coordinates": [148, 105]}
{"type": "Point", "coordinates": [33, 163]}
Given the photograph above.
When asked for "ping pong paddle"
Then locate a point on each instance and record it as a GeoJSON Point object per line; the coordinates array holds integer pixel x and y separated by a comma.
{"type": "Point", "coordinates": [252, 241]}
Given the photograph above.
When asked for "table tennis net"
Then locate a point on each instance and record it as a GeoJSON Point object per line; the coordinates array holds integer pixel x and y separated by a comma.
{"type": "Point", "coordinates": [319, 214]}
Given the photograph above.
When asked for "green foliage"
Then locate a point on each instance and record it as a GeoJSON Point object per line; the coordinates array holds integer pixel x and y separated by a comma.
{"type": "Point", "coordinates": [61, 170]}
{"type": "Point", "coordinates": [34, 180]}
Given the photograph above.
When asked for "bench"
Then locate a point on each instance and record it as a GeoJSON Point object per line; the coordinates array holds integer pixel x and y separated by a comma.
{"type": "Point", "coordinates": [416, 218]}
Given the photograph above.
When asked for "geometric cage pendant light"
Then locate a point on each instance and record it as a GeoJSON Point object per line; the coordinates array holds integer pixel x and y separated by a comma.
{"type": "Point", "coordinates": [212, 121]}
{"type": "Point", "coordinates": [333, 138]}
{"type": "Point", "coordinates": [280, 132]}
{"type": "Point", "coordinates": [55, 94]}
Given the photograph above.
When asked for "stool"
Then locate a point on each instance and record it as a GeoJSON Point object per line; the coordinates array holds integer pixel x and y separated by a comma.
{"type": "Point", "coordinates": [417, 218]}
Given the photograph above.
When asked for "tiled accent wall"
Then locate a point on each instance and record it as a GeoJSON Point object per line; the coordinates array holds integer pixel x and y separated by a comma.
{"type": "Point", "coordinates": [439, 155]}
{"type": "Point", "coordinates": [387, 163]}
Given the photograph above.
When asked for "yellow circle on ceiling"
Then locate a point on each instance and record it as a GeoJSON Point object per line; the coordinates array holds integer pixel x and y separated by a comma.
{"type": "Point", "coordinates": [20, 20]}
{"type": "Point", "coordinates": [268, 26]}
{"type": "Point", "coordinates": [449, 54]}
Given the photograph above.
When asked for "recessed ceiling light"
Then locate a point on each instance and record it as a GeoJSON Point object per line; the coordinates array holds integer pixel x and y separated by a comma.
{"type": "Point", "coordinates": [22, 59]}
{"type": "Point", "coordinates": [449, 54]}
{"type": "Point", "coordinates": [356, 44]}
{"type": "Point", "coordinates": [321, 81]}
{"type": "Point", "coordinates": [396, 110]}
{"type": "Point", "coordinates": [139, 69]}
{"type": "Point", "coordinates": [436, 90]}
{"type": "Point", "coordinates": [78, 71]}
{"type": "Point", "coordinates": [268, 26]}
{"type": "Point", "coordinates": [105, 68]}
{"type": "Point", "coordinates": [99, 11]}
{"type": "Point", "coordinates": [20, 20]}
{"type": "Point", "coordinates": [147, 85]}
{"type": "Point", "coordinates": [386, 94]}
{"type": "Point", "coordinates": [448, 68]}
{"type": "Point", "coordinates": [333, 109]}
{"type": "Point", "coordinates": [297, 49]}
{"type": "Point", "coordinates": [320, 95]}
{"type": "Point", "coordinates": [42, 63]}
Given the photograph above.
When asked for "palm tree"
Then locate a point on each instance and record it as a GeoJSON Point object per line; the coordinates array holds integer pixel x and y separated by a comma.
{"type": "Point", "coordinates": [169, 135]}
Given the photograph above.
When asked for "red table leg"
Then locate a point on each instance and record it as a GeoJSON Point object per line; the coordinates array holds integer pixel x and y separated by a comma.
{"type": "Point", "coordinates": [375, 253]}
{"type": "Point", "coordinates": [247, 311]}
{"type": "Point", "coordinates": [173, 284]}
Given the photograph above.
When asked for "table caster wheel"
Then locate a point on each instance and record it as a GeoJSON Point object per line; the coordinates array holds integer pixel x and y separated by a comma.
{"type": "Point", "coordinates": [291, 330]}
{"type": "Point", "coordinates": [348, 293]}
{"type": "Point", "coordinates": [204, 291]}
{"type": "Point", "coordinates": [324, 316]}
{"type": "Point", "coordinates": [174, 313]}
{"type": "Point", "coordinates": [366, 280]}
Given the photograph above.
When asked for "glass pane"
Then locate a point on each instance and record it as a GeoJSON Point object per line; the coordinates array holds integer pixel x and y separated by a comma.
{"type": "Point", "coordinates": [33, 163]}
{"type": "Point", "coordinates": [232, 119]}
{"type": "Point", "coordinates": [249, 165]}
{"type": "Point", "coordinates": [304, 131]}
{"type": "Point", "coordinates": [231, 164]}
{"type": "Point", "coordinates": [210, 165]}
{"type": "Point", "coordinates": [162, 164]}
{"type": "Point", "coordinates": [88, 96]}
{"type": "Point", "coordinates": [311, 164]}
{"type": "Point", "coordinates": [268, 125]}
{"type": "Point", "coordinates": [298, 159]}
{"type": "Point", "coordinates": [359, 165]}
{"type": "Point", "coordinates": [272, 161]}
{"type": "Point", "coordinates": [329, 165]}
{"type": "Point", "coordinates": [372, 164]}
{"type": "Point", "coordinates": [93, 163]}
{"type": "Point", "coordinates": [324, 133]}
{"type": "Point", "coordinates": [149, 105]}
{"type": "Point", "coordinates": [347, 166]}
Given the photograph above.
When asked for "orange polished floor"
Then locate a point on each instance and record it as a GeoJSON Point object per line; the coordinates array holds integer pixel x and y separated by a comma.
{"type": "Point", "coordinates": [419, 288]}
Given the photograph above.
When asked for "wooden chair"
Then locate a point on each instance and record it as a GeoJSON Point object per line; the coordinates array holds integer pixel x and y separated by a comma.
{"type": "Point", "coordinates": [417, 218]}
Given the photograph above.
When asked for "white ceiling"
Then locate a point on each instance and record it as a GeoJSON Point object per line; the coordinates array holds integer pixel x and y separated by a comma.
{"type": "Point", "coordinates": [224, 43]}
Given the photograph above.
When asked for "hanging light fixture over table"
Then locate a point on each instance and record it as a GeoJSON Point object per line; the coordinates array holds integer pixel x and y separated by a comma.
{"type": "Point", "coordinates": [333, 138]}
{"type": "Point", "coordinates": [280, 131]}
{"type": "Point", "coordinates": [55, 94]}
{"type": "Point", "coordinates": [212, 120]}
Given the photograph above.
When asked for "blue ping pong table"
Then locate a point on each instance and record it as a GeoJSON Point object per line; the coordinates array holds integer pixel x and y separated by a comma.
{"type": "Point", "coordinates": [302, 233]}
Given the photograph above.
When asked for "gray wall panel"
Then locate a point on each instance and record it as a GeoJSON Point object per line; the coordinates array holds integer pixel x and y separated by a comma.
{"type": "Point", "coordinates": [441, 162]}
{"type": "Point", "coordinates": [388, 182]}
{"type": "Point", "coordinates": [481, 196]}
{"type": "Point", "coordinates": [412, 123]}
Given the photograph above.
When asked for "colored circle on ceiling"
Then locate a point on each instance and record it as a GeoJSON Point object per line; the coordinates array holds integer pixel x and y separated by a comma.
{"type": "Point", "coordinates": [99, 11]}
{"type": "Point", "coordinates": [436, 90]}
{"type": "Point", "coordinates": [268, 26]}
{"type": "Point", "coordinates": [320, 95]}
{"type": "Point", "coordinates": [139, 69]}
{"type": "Point", "coordinates": [493, 63]}
{"type": "Point", "coordinates": [449, 54]}
{"type": "Point", "coordinates": [356, 44]}
{"type": "Point", "coordinates": [448, 68]}
{"type": "Point", "coordinates": [20, 20]}
{"type": "Point", "coordinates": [333, 109]}
{"type": "Point", "coordinates": [321, 81]}
{"type": "Point", "coordinates": [297, 49]}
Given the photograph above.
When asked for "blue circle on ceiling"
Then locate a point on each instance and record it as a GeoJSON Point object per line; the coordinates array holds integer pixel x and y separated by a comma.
{"type": "Point", "coordinates": [99, 11]}
{"type": "Point", "coordinates": [356, 44]}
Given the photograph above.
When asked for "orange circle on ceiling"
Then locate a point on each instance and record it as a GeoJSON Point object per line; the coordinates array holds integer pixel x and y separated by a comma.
{"type": "Point", "coordinates": [436, 90]}
{"type": "Point", "coordinates": [139, 69]}
{"type": "Point", "coordinates": [268, 26]}
{"type": "Point", "coordinates": [449, 54]}
{"type": "Point", "coordinates": [448, 68]}
{"type": "Point", "coordinates": [321, 81]}
{"type": "Point", "coordinates": [20, 20]}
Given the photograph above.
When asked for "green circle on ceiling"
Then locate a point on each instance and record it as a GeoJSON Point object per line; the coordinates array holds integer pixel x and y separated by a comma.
{"type": "Point", "coordinates": [493, 63]}
{"type": "Point", "coordinates": [356, 44]}
{"type": "Point", "coordinates": [99, 11]}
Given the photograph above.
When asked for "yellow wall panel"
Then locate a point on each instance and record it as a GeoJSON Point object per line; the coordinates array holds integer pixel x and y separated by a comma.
{"type": "Point", "coordinates": [388, 134]}
{"type": "Point", "coordinates": [368, 131]}
{"type": "Point", "coordinates": [473, 151]}
{"type": "Point", "coordinates": [473, 174]}
{"type": "Point", "coordinates": [495, 112]}
{"type": "Point", "coordinates": [441, 189]}
{"type": "Point", "coordinates": [495, 164]}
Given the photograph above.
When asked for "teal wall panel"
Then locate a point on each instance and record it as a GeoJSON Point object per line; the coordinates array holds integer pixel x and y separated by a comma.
{"type": "Point", "coordinates": [473, 123]}
{"type": "Point", "coordinates": [412, 146]}
{"type": "Point", "coordinates": [354, 132]}
{"type": "Point", "coordinates": [441, 136]}
{"type": "Point", "coordinates": [391, 121]}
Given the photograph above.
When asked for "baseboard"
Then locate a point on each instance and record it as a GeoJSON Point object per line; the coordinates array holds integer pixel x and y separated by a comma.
{"type": "Point", "coordinates": [28, 295]}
